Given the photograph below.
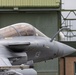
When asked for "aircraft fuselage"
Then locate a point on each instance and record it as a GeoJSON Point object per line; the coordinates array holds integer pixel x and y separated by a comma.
{"type": "Point", "coordinates": [37, 48]}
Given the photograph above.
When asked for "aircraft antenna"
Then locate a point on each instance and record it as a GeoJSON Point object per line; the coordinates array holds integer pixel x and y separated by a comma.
{"type": "Point", "coordinates": [64, 28]}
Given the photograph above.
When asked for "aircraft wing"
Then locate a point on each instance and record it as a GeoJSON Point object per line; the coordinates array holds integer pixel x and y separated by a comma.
{"type": "Point", "coordinates": [6, 65]}
{"type": "Point", "coordinates": [4, 61]}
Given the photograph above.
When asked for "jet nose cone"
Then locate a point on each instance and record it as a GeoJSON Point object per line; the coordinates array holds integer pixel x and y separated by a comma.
{"type": "Point", "coordinates": [68, 50]}
{"type": "Point", "coordinates": [65, 49]}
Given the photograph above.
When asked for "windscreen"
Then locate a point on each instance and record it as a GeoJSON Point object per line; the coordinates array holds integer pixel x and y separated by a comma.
{"type": "Point", "coordinates": [20, 29]}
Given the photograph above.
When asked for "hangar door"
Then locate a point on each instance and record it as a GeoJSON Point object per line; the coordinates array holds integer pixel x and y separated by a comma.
{"type": "Point", "coordinates": [45, 22]}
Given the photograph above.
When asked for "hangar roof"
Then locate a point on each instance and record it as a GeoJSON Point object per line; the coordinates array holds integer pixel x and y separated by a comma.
{"type": "Point", "coordinates": [29, 3]}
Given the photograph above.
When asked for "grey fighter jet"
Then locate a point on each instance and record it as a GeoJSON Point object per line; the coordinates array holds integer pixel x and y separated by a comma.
{"type": "Point", "coordinates": [26, 46]}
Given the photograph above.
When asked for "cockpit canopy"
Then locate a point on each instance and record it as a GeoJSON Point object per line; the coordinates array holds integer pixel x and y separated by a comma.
{"type": "Point", "coordinates": [20, 29]}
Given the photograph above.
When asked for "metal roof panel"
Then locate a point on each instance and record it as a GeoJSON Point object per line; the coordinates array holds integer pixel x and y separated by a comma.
{"type": "Point", "coordinates": [29, 3]}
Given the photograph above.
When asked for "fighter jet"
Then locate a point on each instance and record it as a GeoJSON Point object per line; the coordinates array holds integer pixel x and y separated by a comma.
{"type": "Point", "coordinates": [22, 43]}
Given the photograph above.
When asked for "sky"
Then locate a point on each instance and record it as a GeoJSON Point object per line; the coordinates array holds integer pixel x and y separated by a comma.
{"type": "Point", "coordinates": [70, 4]}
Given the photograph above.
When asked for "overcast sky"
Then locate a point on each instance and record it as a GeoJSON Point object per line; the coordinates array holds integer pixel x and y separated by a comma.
{"type": "Point", "coordinates": [69, 4]}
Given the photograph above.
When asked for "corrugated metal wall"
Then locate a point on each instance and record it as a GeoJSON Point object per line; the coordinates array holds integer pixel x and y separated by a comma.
{"type": "Point", "coordinates": [38, 3]}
